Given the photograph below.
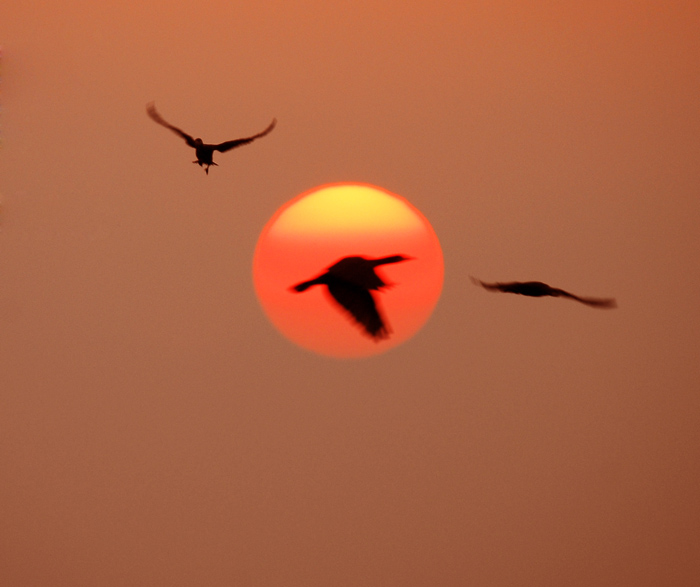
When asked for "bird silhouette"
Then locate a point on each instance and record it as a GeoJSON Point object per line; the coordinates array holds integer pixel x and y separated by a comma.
{"type": "Point", "coordinates": [350, 281]}
{"type": "Point", "coordinates": [204, 151]}
{"type": "Point", "coordinates": [537, 289]}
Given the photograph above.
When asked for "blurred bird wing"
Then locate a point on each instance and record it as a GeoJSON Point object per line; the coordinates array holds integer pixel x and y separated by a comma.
{"type": "Point", "coordinates": [489, 286]}
{"type": "Point", "coordinates": [228, 145]}
{"type": "Point", "coordinates": [593, 302]}
{"type": "Point", "coordinates": [153, 113]}
{"type": "Point", "coordinates": [556, 292]}
{"type": "Point", "coordinates": [360, 304]}
{"type": "Point", "coordinates": [600, 302]}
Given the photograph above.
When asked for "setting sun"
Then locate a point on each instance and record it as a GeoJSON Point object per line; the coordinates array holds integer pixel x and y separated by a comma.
{"type": "Point", "coordinates": [315, 230]}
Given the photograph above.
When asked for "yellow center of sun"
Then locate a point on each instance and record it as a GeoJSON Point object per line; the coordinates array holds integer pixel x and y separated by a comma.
{"type": "Point", "coordinates": [345, 209]}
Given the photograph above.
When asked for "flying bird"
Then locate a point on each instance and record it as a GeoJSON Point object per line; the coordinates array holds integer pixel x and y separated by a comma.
{"type": "Point", "coordinates": [350, 282]}
{"type": "Point", "coordinates": [537, 289]}
{"type": "Point", "coordinates": [204, 151]}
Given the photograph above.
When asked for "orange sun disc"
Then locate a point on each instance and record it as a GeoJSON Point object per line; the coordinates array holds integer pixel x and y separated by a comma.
{"type": "Point", "coordinates": [318, 228]}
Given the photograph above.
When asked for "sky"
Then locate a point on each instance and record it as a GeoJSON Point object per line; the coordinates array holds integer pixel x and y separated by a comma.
{"type": "Point", "coordinates": [155, 428]}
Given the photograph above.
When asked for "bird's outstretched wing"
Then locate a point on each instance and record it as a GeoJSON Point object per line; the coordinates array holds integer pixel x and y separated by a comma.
{"type": "Point", "coordinates": [153, 113]}
{"type": "Point", "coordinates": [360, 304]}
{"type": "Point", "coordinates": [593, 302]}
{"type": "Point", "coordinates": [489, 286]}
{"type": "Point", "coordinates": [228, 145]}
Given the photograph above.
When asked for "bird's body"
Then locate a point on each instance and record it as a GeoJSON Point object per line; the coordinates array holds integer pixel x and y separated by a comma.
{"type": "Point", "coordinates": [538, 289]}
{"type": "Point", "coordinates": [350, 281]}
{"type": "Point", "coordinates": [205, 151]}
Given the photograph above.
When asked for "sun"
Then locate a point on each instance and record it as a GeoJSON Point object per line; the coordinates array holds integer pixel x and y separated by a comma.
{"type": "Point", "coordinates": [328, 223]}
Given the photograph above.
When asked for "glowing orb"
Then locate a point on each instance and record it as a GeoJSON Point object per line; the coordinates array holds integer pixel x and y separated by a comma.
{"type": "Point", "coordinates": [319, 227]}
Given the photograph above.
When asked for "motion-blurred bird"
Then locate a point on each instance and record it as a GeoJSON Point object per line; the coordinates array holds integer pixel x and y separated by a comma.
{"type": "Point", "coordinates": [204, 151]}
{"type": "Point", "coordinates": [349, 281]}
{"type": "Point", "coordinates": [538, 289]}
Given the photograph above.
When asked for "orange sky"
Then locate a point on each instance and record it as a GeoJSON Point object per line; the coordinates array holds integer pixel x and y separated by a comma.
{"type": "Point", "coordinates": [155, 429]}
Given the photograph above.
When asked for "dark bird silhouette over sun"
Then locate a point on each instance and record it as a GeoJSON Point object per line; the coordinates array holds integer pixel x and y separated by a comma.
{"type": "Point", "coordinates": [204, 151]}
{"type": "Point", "coordinates": [350, 282]}
{"type": "Point", "coordinates": [538, 289]}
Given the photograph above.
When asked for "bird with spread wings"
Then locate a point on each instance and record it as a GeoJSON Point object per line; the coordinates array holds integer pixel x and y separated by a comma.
{"type": "Point", "coordinates": [204, 151]}
{"type": "Point", "coordinates": [350, 281]}
{"type": "Point", "coordinates": [537, 289]}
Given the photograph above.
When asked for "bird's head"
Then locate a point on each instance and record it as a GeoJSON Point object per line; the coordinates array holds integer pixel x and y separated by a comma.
{"type": "Point", "coordinates": [198, 142]}
{"type": "Point", "coordinates": [395, 259]}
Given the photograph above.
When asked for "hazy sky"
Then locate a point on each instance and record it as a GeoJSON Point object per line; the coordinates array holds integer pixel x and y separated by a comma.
{"type": "Point", "coordinates": [155, 429]}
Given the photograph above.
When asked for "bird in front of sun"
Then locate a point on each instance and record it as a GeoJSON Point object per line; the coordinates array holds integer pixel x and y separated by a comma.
{"type": "Point", "coordinates": [205, 151]}
{"type": "Point", "coordinates": [537, 289]}
{"type": "Point", "coordinates": [350, 282]}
